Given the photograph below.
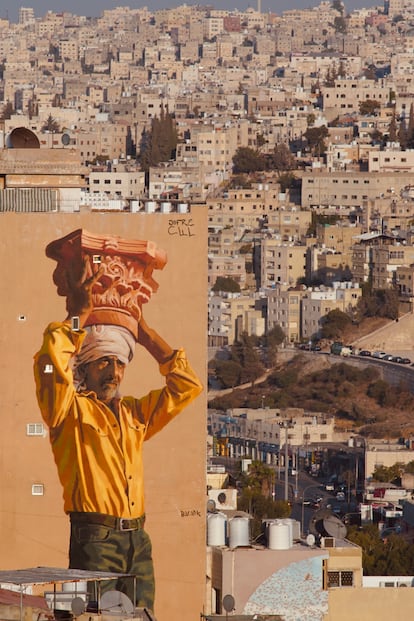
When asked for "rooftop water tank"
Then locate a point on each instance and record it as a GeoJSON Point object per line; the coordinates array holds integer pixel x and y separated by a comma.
{"type": "Point", "coordinates": [279, 536]}
{"type": "Point", "coordinates": [216, 529]}
{"type": "Point", "coordinates": [239, 532]}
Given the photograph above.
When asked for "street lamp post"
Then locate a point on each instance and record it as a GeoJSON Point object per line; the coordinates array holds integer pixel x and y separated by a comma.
{"type": "Point", "coordinates": [286, 425]}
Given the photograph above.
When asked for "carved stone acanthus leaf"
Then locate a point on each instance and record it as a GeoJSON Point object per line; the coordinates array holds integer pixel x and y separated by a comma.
{"type": "Point", "coordinates": [126, 282]}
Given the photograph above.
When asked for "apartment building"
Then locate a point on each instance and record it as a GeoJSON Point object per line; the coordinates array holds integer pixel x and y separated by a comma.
{"type": "Point", "coordinates": [231, 315]}
{"type": "Point", "coordinates": [284, 309]}
{"type": "Point", "coordinates": [117, 183]}
{"type": "Point", "coordinates": [391, 160]}
{"type": "Point", "coordinates": [347, 94]}
{"type": "Point", "coordinates": [376, 258]}
{"type": "Point", "coordinates": [281, 262]}
{"type": "Point", "coordinates": [224, 266]}
{"type": "Point", "coordinates": [318, 303]}
{"type": "Point", "coordinates": [348, 190]}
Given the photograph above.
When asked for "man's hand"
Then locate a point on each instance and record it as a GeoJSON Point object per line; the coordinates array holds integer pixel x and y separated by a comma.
{"type": "Point", "coordinates": [79, 300]}
{"type": "Point", "coordinates": [153, 343]}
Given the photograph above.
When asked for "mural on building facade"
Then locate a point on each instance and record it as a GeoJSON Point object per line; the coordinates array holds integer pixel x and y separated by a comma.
{"type": "Point", "coordinates": [96, 433]}
{"type": "Point", "coordinates": [294, 592]}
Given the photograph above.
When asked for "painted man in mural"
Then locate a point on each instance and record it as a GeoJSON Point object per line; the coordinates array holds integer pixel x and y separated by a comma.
{"type": "Point", "coordinates": [96, 434]}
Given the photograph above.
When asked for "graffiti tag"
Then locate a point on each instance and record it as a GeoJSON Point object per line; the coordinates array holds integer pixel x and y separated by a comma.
{"type": "Point", "coordinates": [181, 227]}
{"type": "Point", "coordinates": [190, 513]}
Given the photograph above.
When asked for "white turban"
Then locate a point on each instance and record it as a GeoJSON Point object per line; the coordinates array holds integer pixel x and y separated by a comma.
{"type": "Point", "coordinates": [102, 340]}
{"type": "Point", "coordinates": [106, 340]}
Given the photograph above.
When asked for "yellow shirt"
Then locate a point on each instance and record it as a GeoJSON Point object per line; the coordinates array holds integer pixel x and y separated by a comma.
{"type": "Point", "coordinates": [99, 458]}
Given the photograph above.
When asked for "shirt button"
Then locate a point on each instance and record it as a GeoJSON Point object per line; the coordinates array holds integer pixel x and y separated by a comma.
{"type": "Point", "coordinates": [132, 503]}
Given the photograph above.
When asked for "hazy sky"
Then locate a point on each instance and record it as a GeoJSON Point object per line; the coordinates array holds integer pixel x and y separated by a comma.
{"type": "Point", "coordinates": [10, 8]}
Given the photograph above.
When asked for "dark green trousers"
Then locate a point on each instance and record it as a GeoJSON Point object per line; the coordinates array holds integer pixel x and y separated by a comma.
{"type": "Point", "coordinates": [98, 548]}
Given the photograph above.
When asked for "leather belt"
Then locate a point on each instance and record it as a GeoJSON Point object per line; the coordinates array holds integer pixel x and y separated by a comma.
{"type": "Point", "coordinates": [110, 521]}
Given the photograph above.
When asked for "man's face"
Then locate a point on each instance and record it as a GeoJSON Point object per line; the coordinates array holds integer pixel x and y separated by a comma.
{"type": "Point", "coordinates": [104, 376]}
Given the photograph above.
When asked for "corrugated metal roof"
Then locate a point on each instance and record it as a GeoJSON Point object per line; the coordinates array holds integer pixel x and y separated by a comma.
{"type": "Point", "coordinates": [12, 598]}
{"type": "Point", "coordinates": [24, 200]}
{"type": "Point", "coordinates": [48, 575]}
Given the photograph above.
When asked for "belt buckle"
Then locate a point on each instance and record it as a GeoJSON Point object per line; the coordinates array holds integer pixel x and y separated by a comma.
{"type": "Point", "coordinates": [124, 524]}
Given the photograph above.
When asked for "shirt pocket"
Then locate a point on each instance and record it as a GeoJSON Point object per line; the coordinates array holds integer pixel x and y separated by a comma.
{"type": "Point", "coordinates": [95, 423]}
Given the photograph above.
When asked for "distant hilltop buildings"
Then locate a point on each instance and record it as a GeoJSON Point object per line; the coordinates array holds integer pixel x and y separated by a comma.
{"type": "Point", "coordinates": [294, 131]}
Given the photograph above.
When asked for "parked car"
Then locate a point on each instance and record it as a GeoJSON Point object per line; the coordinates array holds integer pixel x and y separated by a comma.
{"type": "Point", "coordinates": [364, 352]}
{"type": "Point", "coordinates": [379, 354]}
{"type": "Point", "coordinates": [406, 361]}
{"type": "Point", "coordinates": [388, 357]}
{"type": "Point", "coordinates": [397, 359]}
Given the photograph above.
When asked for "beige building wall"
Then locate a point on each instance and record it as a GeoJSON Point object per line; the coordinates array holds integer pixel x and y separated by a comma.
{"type": "Point", "coordinates": [33, 528]}
{"type": "Point", "coordinates": [349, 189]}
{"type": "Point", "coordinates": [370, 604]}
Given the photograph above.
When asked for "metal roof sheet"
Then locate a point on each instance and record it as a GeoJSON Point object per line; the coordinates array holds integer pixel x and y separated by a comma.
{"type": "Point", "coordinates": [48, 575]}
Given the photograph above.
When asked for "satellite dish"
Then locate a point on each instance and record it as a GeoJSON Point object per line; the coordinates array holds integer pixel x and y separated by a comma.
{"type": "Point", "coordinates": [310, 540]}
{"type": "Point", "coordinates": [211, 506]}
{"type": "Point", "coordinates": [228, 603]}
{"type": "Point", "coordinates": [316, 526]}
{"type": "Point", "coordinates": [78, 606]}
{"type": "Point", "coordinates": [116, 603]}
{"type": "Point", "coordinates": [334, 527]}
{"type": "Point", "coordinates": [65, 139]}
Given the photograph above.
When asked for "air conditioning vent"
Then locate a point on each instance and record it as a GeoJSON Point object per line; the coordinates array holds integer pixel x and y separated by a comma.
{"type": "Point", "coordinates": [328, 542]}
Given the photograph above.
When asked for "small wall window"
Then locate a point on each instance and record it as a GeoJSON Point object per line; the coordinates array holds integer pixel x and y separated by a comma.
{"type": "Point", "coordinates": [38, 489]}
{"type": "Point", "coordinates": [35, 429]}
{"type": "Point", "coordinates": [340, 579]}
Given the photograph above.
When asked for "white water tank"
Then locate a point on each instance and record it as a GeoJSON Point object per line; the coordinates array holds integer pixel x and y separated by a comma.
{"type": "Point", "coordinates": [165, 207]}
{"type": "Point", "coordinates": [216, 529]}
{"type": "Point", "coordinates": [279, 536]}
{"type": "Point", "coordinates": [150, 206]}
{"type": "Point", "coordinates": [291, 524]}
{"type": "Point", "coordinates": [239, 532]}
{"type": "Point", "coordinates": [182, 208]}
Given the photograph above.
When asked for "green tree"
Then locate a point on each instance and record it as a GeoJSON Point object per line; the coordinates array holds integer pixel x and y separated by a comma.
{"type": "Point", "coordinates": [369, 107]}
{"type": "Point", "coordinates": [244, 352]}
{"type": "Point", "coordinates": [338, 5]}
{"type": "Point", "coordinates": [271, 341]}
{"type": "Point", "coordinates": [257, 487]}
{"type": "Point", "coordinates": [334, 324]}
{"type": "Point", "coordinates": [392, 129]}
{"type": "Point", "coordinates": [8, 110]}
{"type": "Point", "coordinates": [50, 125]}
{"type": "Point", "coordinates": [410, 128]}
{"type": "Point", "coordinates": [390, 557]}
{"type": "Point", "coordinates": [282, 159]}
{"type": "Point", "coordinates": [388, 474]}
{"type": "Point", "coordinates": [247, 160]}
{"type": "Point", "coordinates": [315, 137]}
{"type": "Point", "coordinates": [379, 303]}
{"type": "Point", "coordinates": [224, 283]}
{"type": "Point", "coordinates": [228, 373]}
{"type": "Point", "coordinates": [340, 24]}
{"type": "Point", "coordinates": [159, 143]}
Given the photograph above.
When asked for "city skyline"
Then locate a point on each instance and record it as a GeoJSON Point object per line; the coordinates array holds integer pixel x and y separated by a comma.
{"type": "Point", "coordinates": [9, 10]}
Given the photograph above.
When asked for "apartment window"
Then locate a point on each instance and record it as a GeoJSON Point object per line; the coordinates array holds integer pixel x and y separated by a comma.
{"type": "Point", "coordinates": [38, 489]}
{"type": "Point", "coordinates": [35, 429]}
{"type": "Point", "coordinates": [339, 579]}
